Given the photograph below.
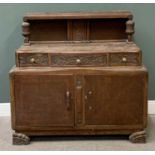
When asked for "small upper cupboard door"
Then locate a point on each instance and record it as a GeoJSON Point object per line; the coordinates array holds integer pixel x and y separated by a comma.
{"type": "Point", "coordinates": [115, 100]}
{"type": "Point", "coordinates": [43, 100]}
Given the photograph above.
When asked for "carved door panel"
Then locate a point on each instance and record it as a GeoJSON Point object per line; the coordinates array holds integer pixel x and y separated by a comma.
{"type": "Point", "coordinates": [115, 99]}
{"type": "Point", "coordinates": [44, 100]}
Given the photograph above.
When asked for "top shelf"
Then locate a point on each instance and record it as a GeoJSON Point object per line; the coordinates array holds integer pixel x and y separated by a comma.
{"type": "Point", "coordinates": [77, 15]}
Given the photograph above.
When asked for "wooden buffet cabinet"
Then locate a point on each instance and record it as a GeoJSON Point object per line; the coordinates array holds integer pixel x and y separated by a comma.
{"type": "Point", "coordinates": [78, 73]}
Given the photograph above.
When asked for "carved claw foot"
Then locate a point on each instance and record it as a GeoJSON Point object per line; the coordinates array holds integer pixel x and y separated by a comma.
{"type": "Point", "coordinates": [138, 137]}
{"type": "Point", "coordinates": [20, 139]}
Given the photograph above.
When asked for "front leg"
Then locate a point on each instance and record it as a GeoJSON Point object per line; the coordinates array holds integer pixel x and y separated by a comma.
{"type": "Point", "coordinates": [20, 139]}
{"type": "Point", "coordinates": [138, 137]}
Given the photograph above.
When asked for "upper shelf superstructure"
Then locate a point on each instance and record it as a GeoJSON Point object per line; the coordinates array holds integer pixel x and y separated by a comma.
{"type": "Point", "coordinates": [78, 26]}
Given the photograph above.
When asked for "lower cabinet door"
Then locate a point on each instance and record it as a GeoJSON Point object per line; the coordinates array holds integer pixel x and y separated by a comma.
{"type": "Point", "coordinates": [43, 101]}
{"type": "Point", "coordinates": [115, 99]}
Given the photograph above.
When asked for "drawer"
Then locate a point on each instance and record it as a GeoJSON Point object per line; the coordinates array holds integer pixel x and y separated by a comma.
{"type": "Point", "coordinates": [124, 59]}
{"type": "Point", "coordinates": [26, 60]}
{"type": "Point", "coordinates": [78, 60]}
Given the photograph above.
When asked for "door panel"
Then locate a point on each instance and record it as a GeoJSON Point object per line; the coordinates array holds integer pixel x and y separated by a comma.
{"type": "Point", "coordinates": [44, 100]}
{"type": "Point", "coordinates": [114, 99]}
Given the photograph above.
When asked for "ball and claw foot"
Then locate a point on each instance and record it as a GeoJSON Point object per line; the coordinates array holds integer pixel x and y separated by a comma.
{"type": "Point", "coordinates": [20, 139]}
{"type": "Point", "coordinates": [138, 137]}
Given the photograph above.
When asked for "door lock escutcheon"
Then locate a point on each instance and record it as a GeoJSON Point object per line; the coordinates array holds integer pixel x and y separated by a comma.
{"type": "Point", "coordinates": [78, 84]}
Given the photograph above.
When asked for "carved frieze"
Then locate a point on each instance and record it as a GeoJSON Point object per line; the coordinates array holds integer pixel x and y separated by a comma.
{"type": "Point", "coordinates": [122, 59]}
{"type": "Point", "coordinates": [82, 60]}
{"type": "Point", "coordinates": [33, 60]}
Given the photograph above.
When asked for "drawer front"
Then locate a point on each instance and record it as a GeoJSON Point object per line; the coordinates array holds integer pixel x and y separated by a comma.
{"type": "Point", "coordinates": [124, 59]}
{"type": "Point", "coordinates": [26, 60]}
{"type": "Point", "coordinates": [79, 60]}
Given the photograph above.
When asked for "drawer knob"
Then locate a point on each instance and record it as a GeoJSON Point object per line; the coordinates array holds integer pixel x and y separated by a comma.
{"type": "Point", "coordinates": [32, 60]}
{"type": "Point", "coordinates": [78, 61]}
{"type": "Point", "coordinates": [90, 107]}
{"type": "Point", "coordinates": [89, 92]}
{"type": "Point", "coordinates": [124, 59]}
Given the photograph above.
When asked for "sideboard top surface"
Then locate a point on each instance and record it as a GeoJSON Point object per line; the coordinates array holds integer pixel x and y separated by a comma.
{"type": "Point", "coordinates": [81, 47]}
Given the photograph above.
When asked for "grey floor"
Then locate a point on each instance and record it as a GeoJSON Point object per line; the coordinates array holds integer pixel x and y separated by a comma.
{"type": "Point", "coordinates": [76, 143]}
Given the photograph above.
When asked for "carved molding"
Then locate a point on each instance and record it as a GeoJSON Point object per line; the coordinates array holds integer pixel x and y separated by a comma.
{"type": "Point", "coordinates": [130, 29]}
{"type": "Point", "coordinates": [26, 31]}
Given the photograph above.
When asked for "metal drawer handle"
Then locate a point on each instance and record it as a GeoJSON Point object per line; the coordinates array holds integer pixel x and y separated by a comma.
{"type": "Point", "coordinates": [68, 95]}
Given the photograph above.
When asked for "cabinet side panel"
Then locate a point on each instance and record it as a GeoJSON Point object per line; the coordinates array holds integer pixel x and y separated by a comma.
{"type": "Point", "coordinates": [12, 100]}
